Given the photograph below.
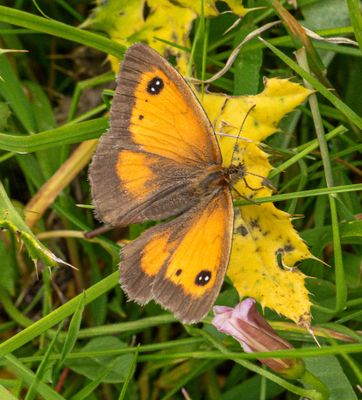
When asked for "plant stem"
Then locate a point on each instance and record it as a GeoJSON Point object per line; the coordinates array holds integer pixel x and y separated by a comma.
{"type": "Point", "coordinates": [341, 289]}
{"type": "Point", "coordinates": [317, 384]}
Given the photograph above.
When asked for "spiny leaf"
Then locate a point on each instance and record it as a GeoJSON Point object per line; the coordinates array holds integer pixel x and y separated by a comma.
{"type": "Point", "coordinates": [263, 235]}
{"type": "Point", "coordinates": [11, 220]}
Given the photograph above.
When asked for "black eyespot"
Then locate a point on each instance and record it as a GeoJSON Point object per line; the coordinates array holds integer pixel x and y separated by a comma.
{"type": "Point", "coordinates": [155, 85]}
{"type": "Point", "coordinates": [178, 272]}
{"type": "Point", "coordinates": [203, 278]}
{"type": "Point", "coordinates": [140, 117]}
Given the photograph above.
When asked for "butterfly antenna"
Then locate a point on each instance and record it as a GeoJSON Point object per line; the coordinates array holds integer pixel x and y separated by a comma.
{"type": "Point", "coordinates": [241, 128]}
{"type": "Point", "coordinates": [265, 181]}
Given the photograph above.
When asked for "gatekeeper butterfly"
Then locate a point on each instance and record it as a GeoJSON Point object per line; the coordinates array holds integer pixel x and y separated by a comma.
{"type": "Point", "coordinates": [160, 159]}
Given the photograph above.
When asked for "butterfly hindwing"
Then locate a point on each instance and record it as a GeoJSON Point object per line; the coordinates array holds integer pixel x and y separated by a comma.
{"type": "Point", "coordinates": [181, 264]}
{"type": "Point", "coordinates": [160, 139]}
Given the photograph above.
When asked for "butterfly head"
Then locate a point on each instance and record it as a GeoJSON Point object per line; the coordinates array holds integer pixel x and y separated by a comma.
{"type": "Point", "coordinates": [235, 173]}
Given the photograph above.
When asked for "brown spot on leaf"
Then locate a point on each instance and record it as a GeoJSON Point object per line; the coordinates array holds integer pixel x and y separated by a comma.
{"type": "Point", "coordinates": [288, 248]}
{"type": "Point", "coordinates": [241, 229]}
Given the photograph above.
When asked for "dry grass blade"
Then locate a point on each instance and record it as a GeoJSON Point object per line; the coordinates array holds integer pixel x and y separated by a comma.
{"type": "Point", "coordinates": [336, 40]}
{"type": "Point", "coordinates": [61, 179]}
{"type": "Point", "coordinates": [235, 53]}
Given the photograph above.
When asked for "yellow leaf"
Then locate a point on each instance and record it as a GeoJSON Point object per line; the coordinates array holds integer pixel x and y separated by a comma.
{"type": "Point", "coordinates": [210, 9]}
{"type": "Point", "coordinates": [130, 21]}
{"type": "Point", "coordinates": [119, 18]}
{"type": "Point", "coordinates": [237, 8]}
{"type": "Point", "coordinates": [263, 235]}
{"type": "Point", "coordinates": [279, 97]}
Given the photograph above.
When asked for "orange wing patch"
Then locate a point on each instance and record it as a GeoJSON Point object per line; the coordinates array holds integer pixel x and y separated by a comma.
{"type": "Point", "coordinates": [163, 121]}
{"type": "Point", "coordinates": [134, 171]}
{"type": "Point", "coordinates": [194, 265]}
{"type": "Point", "coordinates": [155, 254]}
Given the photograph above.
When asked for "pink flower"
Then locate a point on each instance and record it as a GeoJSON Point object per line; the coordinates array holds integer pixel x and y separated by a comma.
{"type": "Point", "coordinates": [251, 330]}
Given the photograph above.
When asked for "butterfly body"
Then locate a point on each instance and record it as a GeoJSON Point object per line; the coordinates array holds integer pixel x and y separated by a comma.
{"type": "Point", "coordinates": [161, 159]}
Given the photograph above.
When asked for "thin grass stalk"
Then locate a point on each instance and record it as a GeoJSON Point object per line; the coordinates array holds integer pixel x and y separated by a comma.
{"type": "Point", "coordinates": [341, 288]}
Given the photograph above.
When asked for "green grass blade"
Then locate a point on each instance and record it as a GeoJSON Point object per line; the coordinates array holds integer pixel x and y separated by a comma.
{"type": "Point", "coordinates": [307, 149]}
{"type": "Point", "coordinates": [5, 394]}
{"type": "Point", "coordinates": [58, 315]}
{"type": "Point", "coordinates": [355, 15]}
{"type": "Point", "coordinates": [13, 93]}
{"type": "Point", "coordinates": [51, 27]}
{"type": "Point", "coordinates": [341, 293]}
{"type": "Point", "coordinates": [89, 389]}
{"type": "Point", "coordinates": [128, 326]}
{"type": "Point", "coordinates": [130, 374]}
{"type": "Point", "coordinates": [73, 331]}
{"type": "Point", "coordinates": [303, 193]}
{"type": "Point", "coordinates": [67, 134]}
{"type": "Point", "coordinates": [12, 311]}
{"type": "Point", "coordinates": [42, 367]}
{"type": "Point", "coordinates": [86, 84]}
{"type": "Point", "coordinates": [28, 377]}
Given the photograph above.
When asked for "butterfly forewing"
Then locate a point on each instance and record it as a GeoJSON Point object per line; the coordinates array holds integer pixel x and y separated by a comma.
{"type": "Point", "coordinates": [159, 141]}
